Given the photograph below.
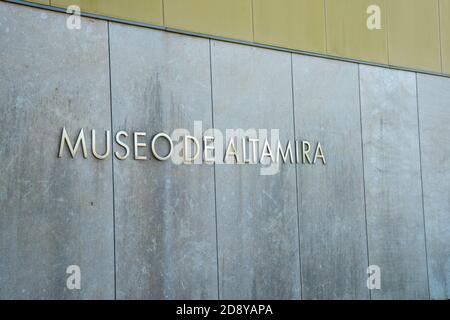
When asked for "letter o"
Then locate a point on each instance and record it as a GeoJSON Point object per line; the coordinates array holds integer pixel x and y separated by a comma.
{"type": "Point", "coordinates": [155, 154]}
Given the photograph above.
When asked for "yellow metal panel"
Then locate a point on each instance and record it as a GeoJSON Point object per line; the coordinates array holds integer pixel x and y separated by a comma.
{"type": "Point", "coordinates": [297, 24]}
{"type": "Point", "coordinates": [226, 18]}
{"type": "Point", "coordinates": [413, 33]}
{"type": "Point", "coordinates": [445, 35]}
{"type": "Point", "coordinates": [348, 34]}
{"type": "Point", "coordinates": [47, 2]}
{"type": "Point", "coordinates": [147, 11]}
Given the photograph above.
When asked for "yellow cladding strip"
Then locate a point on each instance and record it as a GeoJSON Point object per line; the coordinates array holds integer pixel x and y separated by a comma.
{"type": "Point", "coordinates": [147, 11]}
{"type": "Point", "coordinates": [295, 24]}
{"type": "Point", "coordinates": [414, 34]}
{"type": "Point", "coordinates": [350, 36]}
{"type": "Point", "coordinates": [230, 18]}
{"type": "Point", "coordinates": [47, 2]}
{"type": "Point", "coordinates": [445, 34]}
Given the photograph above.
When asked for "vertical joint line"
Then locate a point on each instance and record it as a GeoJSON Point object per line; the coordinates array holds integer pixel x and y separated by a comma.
{"type": "Point", "coordinates": [253, 21]}
{"type": "Point", "coordinates": [296, 183]}
{"type": "Point", "coordinates": [112, 160]}
{"type": "Point", "coordinates": [163, 14]}
{"type": "Point", "coordinates": [386, 21]}
{"type": "Point", "coordinates": [326, 26]}
{"type": "Point", "coordinates": [363, 172]}
{"type": "Point", "coordinates": [440, 36]}
{"type": "Point", "coordinates": [421, 186]}
{"type": "Point", "coordinates": [214, 169]}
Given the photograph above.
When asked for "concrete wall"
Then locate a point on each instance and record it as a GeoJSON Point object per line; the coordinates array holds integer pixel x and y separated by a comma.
{"type": "Point", "coordinates": [155, 230]}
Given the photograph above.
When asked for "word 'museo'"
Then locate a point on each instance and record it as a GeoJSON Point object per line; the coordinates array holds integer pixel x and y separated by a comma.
{"type": "Point", "coordinates": [190, 149]}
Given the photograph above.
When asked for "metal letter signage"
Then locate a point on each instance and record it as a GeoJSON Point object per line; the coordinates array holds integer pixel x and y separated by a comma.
{"type": "Point", "coordinates": [235, 149]}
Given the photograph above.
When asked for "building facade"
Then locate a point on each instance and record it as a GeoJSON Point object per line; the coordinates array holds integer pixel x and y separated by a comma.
{"type": "Point", "coordinates": [370, 222]}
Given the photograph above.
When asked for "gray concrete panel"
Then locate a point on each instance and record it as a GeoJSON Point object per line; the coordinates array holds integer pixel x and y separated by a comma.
{"type": "Point", "coordinates": [165, 214]}
{"type": "Point", "coordinates": [393, 183]}
{"type": "Point", "coordinates": [257, 214]}
{"type": "Point", "coordinates": [434, 123]}
{"type": "Point", "coordinates": [54, 212]}
{"type": "Point", "coordinates": [332, 217]}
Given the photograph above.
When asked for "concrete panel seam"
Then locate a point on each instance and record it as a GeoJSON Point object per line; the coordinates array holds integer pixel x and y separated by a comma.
{"type": "Point", "coordinates": [421, 186]}
{"type": "Point", "coordinates": [363, 173]}
{"type": "Point", "coordinates": [112, 160]}
{"type": "Point", "coordinates": [215, 189]}
{"type": "Point", "coordinates": [296, 184]}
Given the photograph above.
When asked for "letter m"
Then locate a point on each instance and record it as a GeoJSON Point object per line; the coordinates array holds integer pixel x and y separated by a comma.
{"type": "Point", "coordinates": [73, 149]}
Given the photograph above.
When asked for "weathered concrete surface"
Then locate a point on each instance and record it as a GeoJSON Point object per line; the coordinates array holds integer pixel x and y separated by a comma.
{"type": "Point", "coordinates": [434, 123]}
{"type": "Point", "coordinates": [59, 212]}
{"type": "Point", "coordinates": [53, 212]}
{"type": "Point", "coordinates": [165, 215]}
{"type": "Point", "coordinates": [331, 197]}
{"type": "Point", "coordinates": [256, 214]}
{"type": "Point", "coordinates": [393, 183]}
